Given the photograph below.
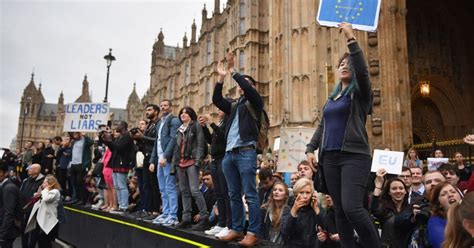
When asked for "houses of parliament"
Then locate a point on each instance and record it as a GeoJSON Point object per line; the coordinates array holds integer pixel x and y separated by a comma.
{"type": "Point", "coordinates": [417, 45]}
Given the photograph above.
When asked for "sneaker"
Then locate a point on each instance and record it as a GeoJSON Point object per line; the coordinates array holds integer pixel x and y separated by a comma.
{"type": "Point", "coordinates": [202, 225]}
{"type": "Point", "coordinates": [97, 205]}
{"type": "Point", "coordinates": [214, 230]}
{"type": "Point", "coordinates": [170, 221]}
{"type": "Point", "coordinates": [159, 220]}
{"type": "Point", "coordinates": [224, 232]}
{"type": "Point", "coordinates": [183, 224]}
{"type": "Point", "coordinates": [149, 218]}
{"type": "Point", "coordinates": [118, 211]}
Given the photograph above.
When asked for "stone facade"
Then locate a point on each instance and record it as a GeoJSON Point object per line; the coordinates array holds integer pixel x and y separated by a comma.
{"type": "Point", "coordinates": [45, 120]}
{"type": "Point", "coordinates": [293, 58]}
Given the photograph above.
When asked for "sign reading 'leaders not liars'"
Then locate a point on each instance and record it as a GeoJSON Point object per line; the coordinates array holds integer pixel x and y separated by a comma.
{"type": "Point", "coordinates": [85, 117]}
{"type": "Point", "coordinates": [362, 14]}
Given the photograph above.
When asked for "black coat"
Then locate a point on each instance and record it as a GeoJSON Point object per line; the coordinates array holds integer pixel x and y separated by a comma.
{"type": "Point", "coordinates": [216, 139]}
{"type": "Point", "coordinates": [123, 153]}
{"type": "Point", "coordinates": [194, 145]}
{"type": "Point", "coordinates": [248, 128]}
{"type": "Point", "coordinates": [300, 231]}
{"type": "Point", "coordinates": [28, 188]}
{"type": "Point", "coordinates": [10, 211]}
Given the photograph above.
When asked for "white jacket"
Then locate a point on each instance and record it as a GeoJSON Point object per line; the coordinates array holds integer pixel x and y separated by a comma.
{"type": "Point", "coordinates": [45, 211]}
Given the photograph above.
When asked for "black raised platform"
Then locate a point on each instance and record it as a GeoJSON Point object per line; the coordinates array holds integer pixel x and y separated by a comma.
{"type": "Point", "coordinates": [89, 228]}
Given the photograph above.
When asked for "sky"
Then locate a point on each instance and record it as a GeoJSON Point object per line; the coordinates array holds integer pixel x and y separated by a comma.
{"type": "Point", "coordinates": [64, 40]}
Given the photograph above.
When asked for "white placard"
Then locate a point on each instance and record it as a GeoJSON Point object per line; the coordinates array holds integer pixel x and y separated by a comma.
{"type": "Point", "coordinates": [85, 117]}
{"type": "Point", "coordinates": [293, 142]}
{"type": "Point", "coordinates": [434, 163]}
{"type": "Point", "coordinates": [391, 161]}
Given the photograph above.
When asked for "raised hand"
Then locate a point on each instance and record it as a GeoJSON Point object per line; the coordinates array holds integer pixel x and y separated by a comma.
{"type": "Point", "coordinates": [221, 71]}
{"type": "Point", "coordinates": [230, 60]}
{"type": "Point", "coordinates": [346, 28]}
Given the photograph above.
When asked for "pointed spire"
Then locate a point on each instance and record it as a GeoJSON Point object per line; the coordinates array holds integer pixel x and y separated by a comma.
{"type": "Point", "coordinates": [61, 98]}
{"type": "Point", "coordinates": [134, 96]}
{"type": "Point", "coordinates": [216, 7]}
{"type": "Point", "coordinates": [160, 35]}
{"type": "Point", "coordinates": [33, 75]}
{"type": "Point", "coordinates": [204, 14]}
{"type": "Point", "coordinates": [39, 87]}
{"type": "Point", "coordinates": [185, 40]}
{"type": "Point", "coordinates": [85, 96]}
{"type": "Point", "coordinates": [193, 32]}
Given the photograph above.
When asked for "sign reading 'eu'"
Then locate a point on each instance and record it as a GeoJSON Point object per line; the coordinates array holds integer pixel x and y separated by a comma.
{"type": "Point", "coordinates": [362, 14]}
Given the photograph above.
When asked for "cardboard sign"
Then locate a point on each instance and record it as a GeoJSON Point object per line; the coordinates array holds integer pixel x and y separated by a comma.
{"type": "Point", "coordinates": [362, 14]}
{"type": "Point", "coordinates": [293, 142]}
{"type": "Point", "coordinates": [391, 161]}
{"type": "Point", "coordinates": [85, 117]}
{"type": "Point", "coordinates": [434, 163]}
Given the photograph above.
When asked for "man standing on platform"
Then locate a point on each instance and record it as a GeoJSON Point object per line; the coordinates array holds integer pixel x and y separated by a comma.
{"type": "Point", "coordinates": [80, 163]}
{"type": "Point", "coordinates": [150, 197]}
{"type": "Point", "coordinates": [160, 161]}
{"type": "Point", "coordinates": [240, 160]}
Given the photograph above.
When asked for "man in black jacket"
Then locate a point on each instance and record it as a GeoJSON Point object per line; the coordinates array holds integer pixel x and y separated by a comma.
{"type": "Point", "coordinates": [9, 209]}
{"type": "Point", "coordinates": [150, 197]}
{"type": "Point", "coordinates": [240, 160]}
{"type": "Point", "coordinates": [28, 188]}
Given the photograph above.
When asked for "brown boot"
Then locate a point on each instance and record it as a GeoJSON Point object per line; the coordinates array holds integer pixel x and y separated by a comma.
{"type": "Point", "coordinates": [249, 240]}
{"type": "Point", "coordinates": [233, 235]}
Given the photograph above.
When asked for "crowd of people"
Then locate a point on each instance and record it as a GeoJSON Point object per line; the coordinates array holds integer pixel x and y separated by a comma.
{"type": "Point", "coordinates": [203, 173]}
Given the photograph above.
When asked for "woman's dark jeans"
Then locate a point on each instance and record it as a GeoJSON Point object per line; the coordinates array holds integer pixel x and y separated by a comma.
{"type": "Point", "coordinates": [222, 194]}
{"type": "Point", "coordinates": [346, 177]}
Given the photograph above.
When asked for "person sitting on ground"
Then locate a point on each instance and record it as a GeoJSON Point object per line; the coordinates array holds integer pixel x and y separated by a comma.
{"type": "Point", "coordinates": [299, 224]}
{"type": "Point", "coordinates": [443, 196]}
{"type": "Point", "coordinates": [452, 176]}
{"type": "Point", "coordinates": [272, 212]}
{"type": "Point", "coordinates": [327, 232]}
{"type": "Point", "coordinates": [386, 206]}
{"type": "Point", "coordinates": [460, 228]}
{"type": "Point", "coordinates": [265, 177]}
{"type": "Point", "coordinates": [412, 159]}
{"type": "Point", "coordinates": [430, 180]}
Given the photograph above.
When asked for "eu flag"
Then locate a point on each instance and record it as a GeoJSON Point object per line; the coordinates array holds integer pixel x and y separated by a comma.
{"type": "Point", "coordinates": [362, 14]}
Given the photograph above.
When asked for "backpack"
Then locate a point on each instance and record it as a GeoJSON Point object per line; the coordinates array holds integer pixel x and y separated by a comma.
{"type": "Point", "coordinates": [263, 124]}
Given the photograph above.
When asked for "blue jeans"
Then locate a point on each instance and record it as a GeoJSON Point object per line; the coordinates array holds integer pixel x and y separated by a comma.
{"type": "Point", "coordinates": [120, 184]}
{"type": "Point", "coordinates": [168, 190]}
{"type": "Point", "coordinates": [240, 170]}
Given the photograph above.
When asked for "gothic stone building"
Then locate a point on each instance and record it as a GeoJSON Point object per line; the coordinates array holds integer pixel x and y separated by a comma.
{"type": "Point", "coordinates": [293, 59]}
{"type": "Point", "coordinates": [45, 120]}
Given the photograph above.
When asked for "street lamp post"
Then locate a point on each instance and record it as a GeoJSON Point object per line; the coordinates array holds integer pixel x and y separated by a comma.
{"type": "Point", "coordinates": [25, 113]}
{"type": "Point", "coordinates": [109, 58]}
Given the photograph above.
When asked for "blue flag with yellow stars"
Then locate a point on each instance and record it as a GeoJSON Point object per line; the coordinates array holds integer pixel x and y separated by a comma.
{"type": "Point", "coordinates": [362, 14]}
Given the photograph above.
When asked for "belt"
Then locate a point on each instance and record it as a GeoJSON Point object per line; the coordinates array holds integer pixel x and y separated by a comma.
{"type": "Point", "coordinates": [243, 148]}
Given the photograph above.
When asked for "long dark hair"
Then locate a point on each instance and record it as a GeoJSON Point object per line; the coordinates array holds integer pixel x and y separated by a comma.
{"type": "Point", "coordinates": [190, 111]}
{"type": "Point", "coordinates": [352, 84]}
{"type": "Point", "coordinates": [386, 198]}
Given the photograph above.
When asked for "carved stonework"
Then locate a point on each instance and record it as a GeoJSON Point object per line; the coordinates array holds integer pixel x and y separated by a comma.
{"type": "Point", "coordinates": [376, 126]}
{"type": "Point", "coordinates": [374, 69]}
{"type": "Point", "coordinates": [372, 39]}
{"type": "Point", "coordinates": [377, 97]}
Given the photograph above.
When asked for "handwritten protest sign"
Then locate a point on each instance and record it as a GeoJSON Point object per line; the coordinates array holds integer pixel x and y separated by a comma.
{"type": "Point", "coordinates": [293, 142]}
{"type": "Point", "coordinates": [434, 163]}
{"type": "Point", "coordinates": [85, 117]}
{"type": "Point", "coordinates": [362, 14]}
{"type": "Point", "coordinates": [391, 161]}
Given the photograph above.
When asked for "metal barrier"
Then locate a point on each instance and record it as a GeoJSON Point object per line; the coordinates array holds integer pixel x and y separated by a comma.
{"type": "Point", "coordinates": [448, 147]}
